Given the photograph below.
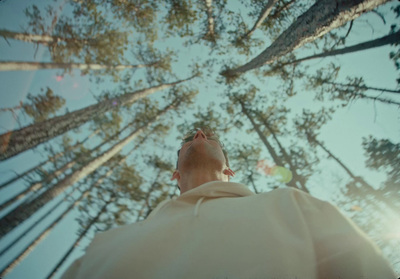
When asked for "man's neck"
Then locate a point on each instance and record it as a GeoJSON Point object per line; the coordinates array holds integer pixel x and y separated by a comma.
{"type": "Point", "coordinates": [194, 179]}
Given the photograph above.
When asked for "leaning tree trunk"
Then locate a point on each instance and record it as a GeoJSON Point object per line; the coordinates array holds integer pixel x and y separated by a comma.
{"type": "Point", "coordinates": [81, 235]}
{"type": "Point", "coordinates": [386, 40]}
{"type": "Point", "coordinates": [33, 66]}
{"type": "Point", "coordinates": [28, 249]}
{"type": "Point", "coordinates": [17, 141]}
{"type": "Point", "coordinates": [322, 17]}
{"type": "Point", "coordinates": [38, 221]}
{"type": "Point", "coordinates": [12, 264]}
{"type": "Point", "coordinates": [51, 159]}
{"type": "Point", "coordinates": [274, 155]}
{"type": "Point", "coordinates": [42, 39]}
{"type": "Point", "coordinates": [23, 212]}
{"type": "Point", "coordinates": [263, 15]}
{"type": "Point", "coordinates": [263, 138]}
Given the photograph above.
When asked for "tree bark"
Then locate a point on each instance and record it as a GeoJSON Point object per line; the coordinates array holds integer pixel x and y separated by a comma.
{"type": "Point", "coordinates": [33, 66]}
{"type": "Point", "coordinates": [386, 40]}
{"type": "Point", "coordinates": [210, 35]}
{"type": "Point", "coordinates": [263, 15]}
{"type": "Point", "coordinates": [17, 141]}
{"type": "Point", "coordinates": [41, 39]}
{"type": "Point", "coordinates": [322, 17]}
{"type": "Point", "coordinates": [23, 212]}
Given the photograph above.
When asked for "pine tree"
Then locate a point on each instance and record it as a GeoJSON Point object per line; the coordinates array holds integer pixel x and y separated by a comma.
{"type": "Point", "coordinates": [322, 17]}
{"type": "Point", "coordinates": [15, 142]}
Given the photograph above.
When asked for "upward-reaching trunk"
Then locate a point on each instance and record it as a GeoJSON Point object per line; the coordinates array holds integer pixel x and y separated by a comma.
{"type": "Point", "coordinates": [17, 141]}
{"type": "Point", "coordinates": [263, 15]}
{"type": "Point", "coordinates": [23, 212]}
{"type": "Point", "coordinates": [30, 247]}
{"type": "Point", "coordinates": [322, 17]}
{"type": "Point", "coordinates": [210, 35]}
{"type": "Point", "coordinates": [386, 40]}
{"type": "Point", "coordinates": [42, 39]}
{"type": "Point", "coordinates": [263, 138]}
{"type": "Point", "coordinates": [12, 264]}
{"type": "Point", "coordinates": [81, 235]}
{"type": "Point", "coordinates": [33, 66]}
{"type": "Point", "coordinates": [271, 150]}
{"type": "Point", "coordinates": [51, 159]}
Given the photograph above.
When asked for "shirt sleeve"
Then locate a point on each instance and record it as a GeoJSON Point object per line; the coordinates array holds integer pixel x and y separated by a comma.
{"type": "Point", "coordinates": [342, 249]}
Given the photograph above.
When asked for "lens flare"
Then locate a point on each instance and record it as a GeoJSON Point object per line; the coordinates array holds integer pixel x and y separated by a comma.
{"type": "Point", "coordinates": [281, 173]}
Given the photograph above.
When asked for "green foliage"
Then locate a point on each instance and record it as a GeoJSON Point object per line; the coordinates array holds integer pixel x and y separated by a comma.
{"type": "Point", "coordinates": [384, 155]}
{"type": "Point", "coordinates": [94, 42]}
{"type": "Point", "coordinates": [180, 18]}
{"type": "Point", "coordinates": [40, 107]}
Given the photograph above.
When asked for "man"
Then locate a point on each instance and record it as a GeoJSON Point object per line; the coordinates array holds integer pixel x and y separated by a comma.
{"type": "Point", "coordinates": [219, 229]}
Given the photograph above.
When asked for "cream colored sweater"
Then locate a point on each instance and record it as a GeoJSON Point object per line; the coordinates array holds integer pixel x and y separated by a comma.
{"type": "Point", "coordinates": [221, 230]}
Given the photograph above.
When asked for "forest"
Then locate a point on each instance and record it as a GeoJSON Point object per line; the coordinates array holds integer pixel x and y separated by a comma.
{"type": "Point", "coordinates": [96, 96]}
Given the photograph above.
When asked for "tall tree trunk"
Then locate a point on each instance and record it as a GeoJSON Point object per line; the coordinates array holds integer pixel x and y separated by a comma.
{"type": "Point", "coordinates": [366, 188]}
{"type": "Point", "coordinates": [23, 212]}
{"type": "Point", "coordinates": [51, 159]}
{"type": "Point", "coordinates": [296, 177]}
{"type": "Point", "coordinates": [46, 231]}
{"type": "Point", "coordinates": [30, 247]}
{"type": "Point", "coordinates": [210, 35]}
{"type": "Point", "coordinates": [270, 148]}
{"type": "Point", "coordinates": [263, 15]}
{"type": "Point", "coordinates": [386, 40]}
{"type": "Point", "coordinates": [81, 235]}
{"type": "Point", "coordinates": [322, 17]}
{"type": "Point", "coordinates": [38, 185]}
{"type": "Point", "coordinates": [33, 66]}
{"type": "Point", "coordinates": [31, 227]}
{"type": "Point", "coordinates": [17, 141]}
{"type": "Point", "coordinates": [42, 39]}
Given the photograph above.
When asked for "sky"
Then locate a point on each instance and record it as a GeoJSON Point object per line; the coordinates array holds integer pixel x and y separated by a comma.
{"type": "Point", "coordinates": [342, 135]}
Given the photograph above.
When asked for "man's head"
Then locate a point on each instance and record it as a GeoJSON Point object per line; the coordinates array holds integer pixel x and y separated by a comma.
{"type": "Point", "coordinates": [202, 153]}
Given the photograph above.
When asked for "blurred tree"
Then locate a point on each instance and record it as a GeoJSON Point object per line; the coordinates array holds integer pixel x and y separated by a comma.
{"type": "Point", "coordinates": [384, 155]}
{"type": "Point", "coordinates": [32, 66]}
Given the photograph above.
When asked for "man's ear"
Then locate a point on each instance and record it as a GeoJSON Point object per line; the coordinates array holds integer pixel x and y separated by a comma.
{"type": "Point", "coordinates": [229, 172]}
{"type": "Point", "coordinates": [176, 175]}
